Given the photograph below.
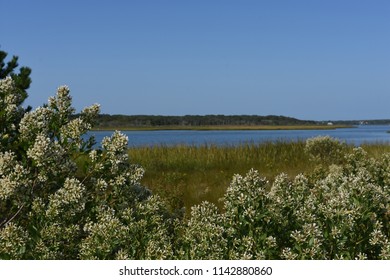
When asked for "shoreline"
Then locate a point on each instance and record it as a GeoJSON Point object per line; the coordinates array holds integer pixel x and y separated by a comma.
{"type": "Point", "coordinates": [227, 127]}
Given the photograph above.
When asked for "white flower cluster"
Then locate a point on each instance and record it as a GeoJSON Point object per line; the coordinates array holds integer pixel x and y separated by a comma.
{"type": "Point", "coordinates": [116, 144]}
{"type": "Point", "coordinates": [13, 175]}
{"type": "Point", "coordinates": [7, 85]}
{"type": "Point", "coordinates": [74, 130]}
{"type": "Point", "coordinates": [35, 122]}
{"type": "Point", "coordinates": [90, 113]}
{"type": "Point", "coordinates": [38, 152]}
{"type": "Point", "coordinates": [204, 235]}
{"type": "Point", "coordinates": [10, 96]}
{"type": "Point", "coordinates": [150, 223]}
{"type": "Point", "coordinates": [116, 149]}
{"type": "Point", "coordinates": [10, 99]}
{"type": "Point", "coordinates": [7, 162]}
{"type": "Point", "coordinates": [103, 236]}
{"type": "Point", "coordinates": [135, 174]}
{"type": "Point", "coordinates": [70, 196]}
{"type": "Point", "coordinates": [49, 157]}
{"type": "Point", "coordinates": [62, 102]}
{"type": "Point", "coordinates": [13, 241]}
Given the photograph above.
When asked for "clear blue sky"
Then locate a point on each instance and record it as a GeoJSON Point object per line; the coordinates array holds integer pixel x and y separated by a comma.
{"type": "Point", "coordinates": [309, 59]}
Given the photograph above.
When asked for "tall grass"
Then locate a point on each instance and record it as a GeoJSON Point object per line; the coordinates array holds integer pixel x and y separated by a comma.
{"type": "Point", "coordinates": [191, 174]}
{"type": "Point", "coordinates": [377, 149]}
{"type": "Point", "coordinates": [188, 175]}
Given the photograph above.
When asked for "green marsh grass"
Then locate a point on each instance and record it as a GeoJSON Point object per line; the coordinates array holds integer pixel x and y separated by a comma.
{"type": "Point", "coordinates": [188, 175]}
{"type": "Point", "coordinates": [192, 174]}
{"type": "Point", "coordinates": [376, 149]}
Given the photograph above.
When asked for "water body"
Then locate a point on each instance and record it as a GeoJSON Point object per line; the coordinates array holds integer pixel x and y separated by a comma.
{"type": "Point", "coordinates": [357, 136]}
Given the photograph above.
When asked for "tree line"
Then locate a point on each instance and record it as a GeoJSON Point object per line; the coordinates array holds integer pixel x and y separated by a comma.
{"type": "Point", "coordinates": [106, 120]}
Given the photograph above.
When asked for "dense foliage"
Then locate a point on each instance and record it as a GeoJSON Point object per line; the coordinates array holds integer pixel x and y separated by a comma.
{"type": "Point", "coordinates": [60, 198]}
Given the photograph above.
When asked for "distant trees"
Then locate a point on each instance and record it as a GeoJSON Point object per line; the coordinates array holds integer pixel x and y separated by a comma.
{"type": "Point", "coordinates": [195, 120]}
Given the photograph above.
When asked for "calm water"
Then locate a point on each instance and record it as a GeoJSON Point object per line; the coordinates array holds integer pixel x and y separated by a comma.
{"type": "Point", "coordinates": [357, 136]}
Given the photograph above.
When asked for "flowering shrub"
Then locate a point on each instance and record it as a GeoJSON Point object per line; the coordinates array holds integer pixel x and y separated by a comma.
{"type": "Point", "coordinates": [343, 215]}
{"type": "Point", "coordinates": [60, 198]}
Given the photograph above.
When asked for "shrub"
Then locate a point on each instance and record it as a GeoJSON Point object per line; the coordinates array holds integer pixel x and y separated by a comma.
{"type": "Point", "coordinates": [325, 149]}
{"type": "Point", "coordinates": [342, 216]}
{"type": "Point", "coordinates": [54, 208]}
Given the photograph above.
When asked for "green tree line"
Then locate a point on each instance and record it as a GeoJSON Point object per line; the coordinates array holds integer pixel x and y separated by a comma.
{"type": "Point", "coordinates": [106, 120]}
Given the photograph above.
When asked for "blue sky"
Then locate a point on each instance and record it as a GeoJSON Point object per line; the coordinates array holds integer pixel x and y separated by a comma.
{"type": "Point", "coordinates": [309, 59]}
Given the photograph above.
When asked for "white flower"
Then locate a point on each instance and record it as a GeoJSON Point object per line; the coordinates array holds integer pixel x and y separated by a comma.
{"type": "Point", "coordinates": [39, 150]}
{"type": "Point", "coordinates": [62, 102]}
{"type": "Point", "coordinates": [90, 113]}
{"type": "Point", "coordinates": [117, 143]}
{"type": "Point", "coordinates": [35, 122]}
{"type": "Point", "coordinates": [70, 195]}
{"type": "Point", "coordinates": [93, 155]}
{"type": "Point", "coordinates": [7, 84]}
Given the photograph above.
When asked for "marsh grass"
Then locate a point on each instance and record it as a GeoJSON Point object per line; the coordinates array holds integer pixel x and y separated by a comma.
{"type": "Point", "coordinates": [377, 149]}
{"type": "Point", "coordinates": [187, 175]}
{"type": "Point", "coordinates": [192, 174]}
